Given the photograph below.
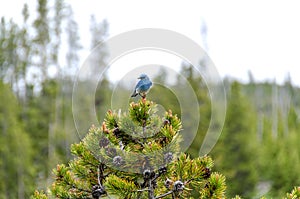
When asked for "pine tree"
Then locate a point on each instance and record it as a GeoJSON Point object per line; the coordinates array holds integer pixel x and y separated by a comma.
{"type": "Point", "coordinates": [16, 168]}
{"type": "Point", "coordinates": [73, 43]}
{"type": "Point", "coordinates": [25, 57]}
{"type": "Point", "coordinates": [97, 59]}
{"type": "Point", "coordinates": [202, 94]}
{"type": "Point", "coordinates": [135, 155]}
{"type": "Point", "coordinates": [42, 38]}
{"type": "Point", "coordinates": [235, 153]}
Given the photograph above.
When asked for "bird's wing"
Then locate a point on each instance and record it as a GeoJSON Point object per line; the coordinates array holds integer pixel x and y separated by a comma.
{"type": "Point", "coordinates": [135, 92]}
{"type": "Point", "coordinates": [139, 84]}
{"type": "Point", "coordinates": [144, 86]}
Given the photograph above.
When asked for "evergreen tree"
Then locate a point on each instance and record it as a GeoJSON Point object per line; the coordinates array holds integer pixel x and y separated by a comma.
{"type": "Point", "coordinates": [203, 98]}
{"type": "Point", "coordinates": [42, 39]}
{"type": "Point", "coordinates": [68, 73]}
{"type": "Point", "coordinates": [235, 152]}
{"type": "Point", "coordinates": [73, 43]}
{"type": "Point", "coordinates": [135, 155]}
{"type": "Point", "coordinates": [43, 106]}
{"type": "Point", "coordinates": [25, 56]}
{"type": "Point", "coordinates": [98, 58]}
{"type": "Point", "coordinates": [9, 59]}
{"type": "Point", "coordinates": [103, 96]}
{"type": "Point", "coordinates": [3, 33]}
{"type": "Point", "coordinates": [281, 179]}
{"type": "Point", "coordinates": [168, 100]}
{"type": "Point", "coordinates": [16, 167]}
{"type": "Point", "coordinates": [59, 15]}
{"type": "Point", "coordinates": [56, 132]}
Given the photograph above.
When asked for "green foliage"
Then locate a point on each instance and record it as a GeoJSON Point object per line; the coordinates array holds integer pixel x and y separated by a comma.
{"type": "Point", "coordinates": [104, 163]}
{"type": "Point", "coordinates": [238, 135]}
{"type": "Point", "coordinates": [237, 197]}
{"type": "Point", "coordinates": [203, 97]}
{"type": "Point", "coordinates": [215, 187]}
{"type": "Point", "coordinates": [15, 151]}
{"type": "Point", "coordinates": [37, 129]}
{"type": "Point", "coordinates": [294, 194]}
{"type": "Point", "coordinates": [121, 187]}
{"type": "Point", "coordinates": [25, 57]}
{"type": "Point", "coordinates": [42, 38]}
{"type": "Point", "coordinates": [39, 195]}
{"type": "Point", "coordinates": [279, 172]}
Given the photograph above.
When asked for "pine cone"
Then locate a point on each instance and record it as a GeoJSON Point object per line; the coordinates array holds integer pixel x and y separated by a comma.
{"type": "Point", "coordinates": [103, 142]}
{"type": "Point", "coordinates": [162, 170]}
{"type": "Point", "coordinates": [97, 191]}
{"type": "Point", "coordinates": [178, 186]}
{"type": "Point", "coordinates": [118, 161]}
{"type": "Point", "coordinates": [168, 183]}
{"type": "Point", "coordinates": [168, 157]}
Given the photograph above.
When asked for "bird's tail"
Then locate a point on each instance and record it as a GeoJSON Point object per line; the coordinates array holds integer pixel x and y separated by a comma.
{"type": "Point", "coordinates": [134, 94]}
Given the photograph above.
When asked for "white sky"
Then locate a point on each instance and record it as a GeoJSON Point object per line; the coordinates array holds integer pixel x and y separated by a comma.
{"type": "Point", "coordinates": [261, 36]}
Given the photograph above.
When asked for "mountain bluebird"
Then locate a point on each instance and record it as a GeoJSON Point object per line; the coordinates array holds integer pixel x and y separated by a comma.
{"type": "Point", "coordinates": [142, 86]}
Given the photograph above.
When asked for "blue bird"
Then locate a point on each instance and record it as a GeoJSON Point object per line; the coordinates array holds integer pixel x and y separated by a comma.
{"type": "Point", "coordinates": [142, 86]}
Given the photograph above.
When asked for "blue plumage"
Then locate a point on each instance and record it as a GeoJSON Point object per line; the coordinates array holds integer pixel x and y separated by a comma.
{"type": "Point", "coordinates": [142, 86]}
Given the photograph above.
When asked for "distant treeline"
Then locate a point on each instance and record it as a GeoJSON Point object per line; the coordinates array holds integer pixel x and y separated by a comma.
{"type": "Point", "coordinates": [258, 150]}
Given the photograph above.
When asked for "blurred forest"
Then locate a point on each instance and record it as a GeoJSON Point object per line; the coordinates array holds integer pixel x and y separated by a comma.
{"type": "Point", "coordinates": [258, 151]}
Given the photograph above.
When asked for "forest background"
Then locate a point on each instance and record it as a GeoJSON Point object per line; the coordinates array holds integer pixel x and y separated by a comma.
{"type": "Point", "coordinates": [258, 150]}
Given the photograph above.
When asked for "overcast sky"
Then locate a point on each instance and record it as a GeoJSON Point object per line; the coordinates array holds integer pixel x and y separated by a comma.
{"type": "Point", "coordinates": [261, 36]}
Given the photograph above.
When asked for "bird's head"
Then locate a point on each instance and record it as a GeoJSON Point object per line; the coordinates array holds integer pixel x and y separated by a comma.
{"type": "Point", "coordinates": [143, 76]}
